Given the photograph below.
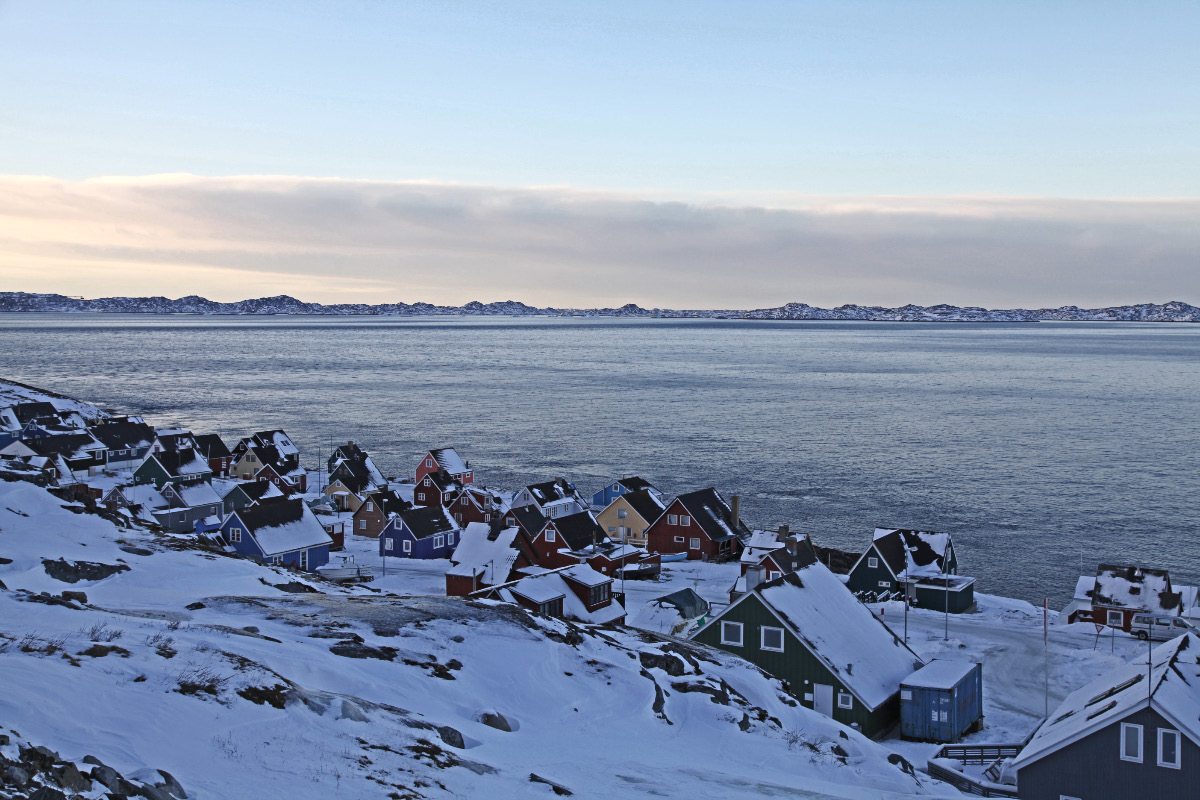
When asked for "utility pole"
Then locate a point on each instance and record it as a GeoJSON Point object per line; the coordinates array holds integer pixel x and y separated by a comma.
{"type": "Point", "coordinates": [1046, 656]}
{"type": "Point", "coordinates": [906, 603]}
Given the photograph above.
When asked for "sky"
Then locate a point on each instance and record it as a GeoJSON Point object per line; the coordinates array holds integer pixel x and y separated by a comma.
{"type": "Point", "coordinates": [703, 155]}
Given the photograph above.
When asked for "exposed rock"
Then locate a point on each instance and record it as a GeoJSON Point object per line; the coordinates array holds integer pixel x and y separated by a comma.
{"type": "Point", "coordinates": [73, 572]}
{"type": "Point", "coordinates": [137, 551]}
{"type": "Point", "coordinates": [101, 650]}
{"type": "Point", "coordinates": [171, 786]}
{"type": "Point", "coordinates": [250, 629]}
{"type": "Point", "coordinates": [196, 606]}
{"type": "Point", "coordinates": [47, 793]}
{"type": "Point", "coordinates": [494, 719]}
{"type": "Point", "coordinates": [719, 696]}
{"type": "Point", "coordinates": [78, 597]}
{"type": "Point", "coordinates": [68, 776]}
{"type": "Point", "coordinates": [16, 776]}
{"type": "Point", "coordinates": [351, 649]}
{"type": "Point", "coordinates": [558, 788]}
{"type": "Point", "coordinates": [40, 758]}
{"type": "Point", "coordinates": [669, 663]}
{"type": "Point", "coordinates": [276, 695]}
{"type": "Point", "coordinates": [452, 737]}
{"type": "Point", "coordinates": [295, 587]}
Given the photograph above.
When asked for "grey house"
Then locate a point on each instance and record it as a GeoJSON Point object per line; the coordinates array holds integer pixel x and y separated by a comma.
{"type": "Point", "coordinates": [1133, 733]}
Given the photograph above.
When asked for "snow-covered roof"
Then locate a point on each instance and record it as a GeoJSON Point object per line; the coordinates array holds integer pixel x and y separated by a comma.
{"type": "Point", "coordinates": [552, 584]}
{"type": "Point", "coordinates": [426, 521]}
{"type": "Point", "coordinates": [8, 420]}
{"type": "Point", "coordinates": [1138, 588]}
{"type": "Point", "coordinates": [283, 526]}
{"type": "Point", "coordinates": [940, 674]}
{"type": "Point", "coordinates": [1084, 587]}
{"type": "Point", "coordinates": [198, 493]}
{"type": "Point", "coordinates": [841, 632]}
{"type": "Point", "coordinates": [537, 591]}
{"type": "Point", "coordinates": [585, 575]}
{"type": "Point", "coordinates": [482, 552]}
{"type": "Point", "coordinates": [917, 552]}
{"type": "Point", "coordinates": [143, 494]}
{"type": "Point", "coordinates": [448, 459]}
{"type": "Point", "coordinates": [1170, 685]}
{"type": "Point", "coordinates": [182, 462]}
{"type": "Point", "coordinates": [713, 515]}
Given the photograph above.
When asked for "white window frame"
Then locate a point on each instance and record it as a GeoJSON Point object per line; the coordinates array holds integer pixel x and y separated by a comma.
{"type": "Point", "coordinates": [872, 562]}
{"type": "Point", "coordinates": [429, 463]}
{"type": "Point", "coordinates": [449, 539]}
{"type": "Point", "coordinates": [362, 524]}
{"type": "Point", "coordinates": [728, 628]}
{"type": "Point", "coordinates": [1118, 615]}
{"type": "Point", "coordinates": [549, 534]}
{"type": "Point", "coordinates": [1128, 729]}
{"type": "Point", "coordinates": [1162, 734]}
{"type": "Point", "coordinates": [622, 513]}
{"type": "Point", "coordinates": [885, 584]}
{"type": "Point", "coordinates": [694, 544]}
{"type": "Point", "coordinates": [235, 535]}
{"type": "Point", "coordinates": [406, 546]}
{"type": "Point", "coordinates": [845, 701]}
{"type": "Point", "coordinates": [762, 638]}
{"type": "Point", "coordinates": [680, 538]}
{"type": "Point", "coordinates": [370, 506]}
{"type": "Point", "coordinates": [387, 545]}
{"type": "Point", "coordinates": [421, 496]}
{"type": "Point", "coordinates": [672, 519]}
{"type": "Point", "coordinates": [685, 521]}
{"type": "Point", "coordinates": [439, 542]}
{"type": "Point", "coordinates": [772, 574]}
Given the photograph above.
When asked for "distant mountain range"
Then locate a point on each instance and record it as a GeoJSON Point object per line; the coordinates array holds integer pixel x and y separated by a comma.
{"type": "Point", "coordinates": [1174, 311]}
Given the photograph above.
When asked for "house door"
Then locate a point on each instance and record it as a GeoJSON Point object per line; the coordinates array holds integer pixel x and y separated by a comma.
{"type": "Point", "coordinates": [304, 559]}
{"type": "Point", "coordinates": [823, 699]}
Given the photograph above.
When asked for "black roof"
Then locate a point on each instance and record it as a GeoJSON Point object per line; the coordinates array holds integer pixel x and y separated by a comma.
{"type": "Point", "coordinates": [124, 435]}
{"type": "Point", "coordinates": [580, 530]}
{"type": "Point", "coordinates": [549, 491]}
{"type": "Point", "coordinates": [212, 446]}
{"type": "Point", "coordinates": [26, 412]}
{"type": "Point", "coordinates": [713, 515]}
{"type": "Point", "coordinates": [389, 502]}
{"type": "Point", "coordinates": [272, 515]}
{"type": "Point", "coordinates": [354, 475]}
{"type": "Point", "coordinates": [442, 481]}
{"type": "Point", "coordinates": [173, 460]}
{"type": "Point", "coordinates": [789, 561]}
{"type": "Point", "coordinates": [646, 505]}
{"type": "Point", "coordinates": [528, 519]}
{"type": "Point", "coordinates": [175, 441]}
{"type": "Point", "coordinates": [690, 604]}
{"type": "Point", "coordinates": [65, 445]}
{"type": "Point", "coordinates": [255, 489]}
{"type": "Point", "coordinates": [427, 521]}
{"type": "Point", "coordinates": [893, 546]}
{"type": "Point", "coordinates": [635, 484]}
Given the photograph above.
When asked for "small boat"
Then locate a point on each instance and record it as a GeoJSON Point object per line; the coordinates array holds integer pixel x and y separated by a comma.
{"type": "Point", "coordinates": [347, 572]}
{"type": "Point", "coordinates": [674, 557]}
{"type": "Point", "coordinates": [639, 571]}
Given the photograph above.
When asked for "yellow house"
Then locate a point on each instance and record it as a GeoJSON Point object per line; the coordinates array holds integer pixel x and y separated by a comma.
{"type": "Point", "coordinates": [247, 465]}
{"type": "Point", "coordinates": [341, 496]}
{"type": "Point", "coordinates": [627, 518]}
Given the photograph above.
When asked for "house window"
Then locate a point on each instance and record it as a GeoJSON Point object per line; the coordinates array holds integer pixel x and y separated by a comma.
{"type": "Point", "coordinates": [449, 539]}
{"type": "Point", "coordinates": [428, 482]}
{"type": "Point", "coordinates": [387, 545]}
{"type": "Point", "coordinates": [1116, 619]}
{"type": "Point", "coordinates": [420, 495]}
{"type": "Point", "coordinates": [407, 546]}
{"type": "Point", "coordinates": [731, 633]}
{"type": "Point", "coordinates": [872, 562]}
{"type": "Point", "coordinates": [549, 534]}
{"type": "Point", "coordinates": [235, 534]}
{"type": "Point", "coordinates": [611, 529]}
{"type": "Point", "coordinates": [277, 560]}
{"type": "Point", "coordinates": [1131, 742]}
{"type": "Point", "coordinates": [1168, 748]}
{"type": "Point", "coordinates": [679, 539]}
{"type": "Point", "coordinates": [429, 463]}
{"type": "Point", "coordinates": [464, 500]}
{"type": "Point", "coordinates": [694, 544]}
{"type": "Point", "coordinates": [370, 506]}
{"type": "Point", "coordinates": [771, 639]}
{"type": "Point", "coordinates": [885, 584]}
{"type": "Point", "coordinates": [438, 541]}
{"type": "Point", "coordinates": [672, 519]}
{"type": "Point", "coordinates": [622, 513]}
{"type": "Point", "coordinates": [487, 517]}
{"type": "Point", "coordinates": [600, 594]}
{"type": "Point", "coordinates": [845, 700]}
{"type": "Point", "coordinates": [685, 520]}
{"type": "Point", "coordinates": [772, 575]}
{"type": "Point", "coordinates": [303, 559]}
{"type": "Point", "coordinates": [458, 517]}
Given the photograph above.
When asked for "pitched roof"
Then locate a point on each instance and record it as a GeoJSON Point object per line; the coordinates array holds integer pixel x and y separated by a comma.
{"type": "Point", "coordinates": [212, 446]}
{"type": "Point", "coordinates": [196, 493]}
{"type": "Point", "coordinates": [635, 484]}
{"type": "Point", "coordinates": [354, 475]}
{"type": "Point", "coordinates": [645, 504]}
{"type": "Point", "coordinates": [484, 553]}
{"type": "Point", "coordinates": [283, 526]}
{"type": "Point", "coordinates": [278, 440]}
{"type": "Point", "coordinates": [260, 490]}
{"type": "Point", "coordinates": [389, 502]}
{"type": "Point", "coordinates": [178, 463]}
{"type": "Point", "coordinates": [1170, 685]}
{"type": "Point", "coordinates": [1138, 588]}
{"type": "Point", "coordinates": [549, 491]}
{"type": "Point", "coordinates": [842, 633]}
{"type": "Point", "coordinates": [690, 604]}
{"type": "Point", "coordinates": [27, 412]}
{"type": "Point", "coordinates": [124, 435]}
{"type": "Point", "coordinates": [580, 530]}
{"type": "Point", "coordinates": [426, 521]}
{"type": "Point", "coordinates": [449, 460]}
{"type": "Point", "coordinates": [173, 439]}
{"type": "Point", "coordinates": [68, 445]}
{"type": "Point", "coordinates": [713, 515]}
{"type": "Point", "coordinates": [921, 552]}
{"type": "Point", "coordinates": [442, 480]}
{"type": "Point", "coordinates": [529, 519]}
{"type": "Point", "coordinates": [549, 585]}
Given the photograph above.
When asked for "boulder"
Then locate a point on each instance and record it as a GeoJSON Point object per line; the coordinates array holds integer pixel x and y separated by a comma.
{"type": "Point", "coordinates": [78, 597]}
{"type": "Point", "coordinates": [68, 776]}
{"type": "Point", "coordinates": [494, 719]}
{"type": "Point", "coordinates": [73, 572]}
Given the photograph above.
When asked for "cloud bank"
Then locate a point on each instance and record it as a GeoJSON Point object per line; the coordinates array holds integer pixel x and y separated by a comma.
{"type": "Point", "coordinates": [335, 240]}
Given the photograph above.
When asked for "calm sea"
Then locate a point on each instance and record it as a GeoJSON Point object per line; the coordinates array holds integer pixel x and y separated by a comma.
{"type": "Point", "coordinates": [1038, 446]}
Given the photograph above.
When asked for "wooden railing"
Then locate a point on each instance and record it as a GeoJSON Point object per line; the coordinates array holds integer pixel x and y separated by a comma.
{"type": "Point", "coordinates": [973, 754]}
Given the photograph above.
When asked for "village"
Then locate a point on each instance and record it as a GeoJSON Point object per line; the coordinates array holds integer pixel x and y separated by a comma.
{"type": "Point", "coordinates": [863, 639]}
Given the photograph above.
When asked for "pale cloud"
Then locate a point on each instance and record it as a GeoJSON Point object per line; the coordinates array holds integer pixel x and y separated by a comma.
{"type": "Point", "coordinates": [375, 241]}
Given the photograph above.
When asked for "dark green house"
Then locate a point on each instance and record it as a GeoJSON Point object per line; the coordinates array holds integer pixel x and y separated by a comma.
{"type": "Point", "coordinates": [172, 466]}
{"type": "Point", "coordinates": [834, 655]}
{"type": "Point", "coordinates": [925, 559]}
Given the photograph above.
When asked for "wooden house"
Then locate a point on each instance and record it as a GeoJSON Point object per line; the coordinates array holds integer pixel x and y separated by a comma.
{"type": "Point", "coordinates": [486, 555]}
{"type": "Point", "coordinates": [577, 593]}
{"type": "Point", "coordinates": [375, 511]}
{"type": "Point", "coordinates": [1118, 592]}
{"type": "Point", "coordinates": [447, 460]}
{"type": "Point", "coordinates": [477, 504]}
{"type": "Point", "coordinates": [188, 503]}
{"type": "Point", "coordinates": [769, 555]}
{"type": "Point", "coordinates": [82, 452]}
{"type": "Point", "coordinates": [172, 466]}
{"type": "Point", "coordinates": [623, 486]}
{"type": "Point", "coordinates": [436, 489]}
{"type": "Point", "coordinates": [170, 440]}
{"type": "Point", "coordinates": [700, 524]}
{"type": "Point", "coordinates": [629, 516]}
{"type": "Point", "coordinates": [240, 494]}
{"type": "Point", "coordinates": [213, 448]}
{"type": "Point", "coordinates": [1134, 732]}
{"type": "Point", "coordinates": [834, 655]}
{"type": "Point", "coordinates": [141, 500]}
{"type": "Point", "coordinates": [420, 532]}
{"type": "Point", "coordinates": [127, 442]}
{"type": "Point", "coordinates": [282, 532]}
{"type": "Point", "coordinates": [556, 498]}
{"type": "Point", "coordinates": [926, 560]}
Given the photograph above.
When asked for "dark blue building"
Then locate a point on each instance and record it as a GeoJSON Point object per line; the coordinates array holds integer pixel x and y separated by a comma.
{"type": "Point", "coordinates": [420, 532]}
{"type": "Point", "coordinates": [612, 491]}
{"type": "Point", "coordinates": [280, 532]}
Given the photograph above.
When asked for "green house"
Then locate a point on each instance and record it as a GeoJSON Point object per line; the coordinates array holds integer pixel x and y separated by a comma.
{"type": "Point", "coordinates": [833, 654]}
{"type": "Point", "coordinates": [172, 466]}
{"type": "Point", "coordinates": [926, 560]}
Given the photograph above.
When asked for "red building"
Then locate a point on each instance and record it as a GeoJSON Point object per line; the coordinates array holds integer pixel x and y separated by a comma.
{"type": "Point", "coordinates": [445, 459]}
{"type": "Point", "coordinates": [700, 524]}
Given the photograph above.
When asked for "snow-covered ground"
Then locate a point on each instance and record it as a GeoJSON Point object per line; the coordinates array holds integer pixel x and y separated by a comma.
{"type": "Point", "coordinates": [200, 664]}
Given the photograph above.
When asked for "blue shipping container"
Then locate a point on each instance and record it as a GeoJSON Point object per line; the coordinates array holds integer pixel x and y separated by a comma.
{"type": "Point", "coordinates": [941, 701]}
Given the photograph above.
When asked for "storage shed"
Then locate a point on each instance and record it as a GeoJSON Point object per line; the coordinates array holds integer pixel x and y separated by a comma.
{"type": "Point", "coordinates": [941, 701]}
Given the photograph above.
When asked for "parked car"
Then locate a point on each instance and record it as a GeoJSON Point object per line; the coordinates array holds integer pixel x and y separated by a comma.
{"type": "Point", "coordinates": [1148, 626]}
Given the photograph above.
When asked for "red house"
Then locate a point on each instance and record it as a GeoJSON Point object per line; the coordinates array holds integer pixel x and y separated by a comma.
{"type": "Point", "coordinates": [700, 524]}
{"type": "Point", "coordinates": [486, 555]}
{"type": "Point", "coordinates": [474, 504]}
{"type": "Point", "coordinates": [445, 459]}
{"type": "Point", "coordinates": [436, 488]}
{"type": "Point", "coordinates": [578, 593]}
{"type": "Point", "coordinates": [371, 517]}
{"type": "Point", "coordinates": [220, 459]}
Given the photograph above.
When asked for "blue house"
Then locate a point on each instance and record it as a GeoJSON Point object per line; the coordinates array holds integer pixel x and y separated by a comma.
{"type": "Point", "coordinates": [612, 491]}
{"type": "Point", "coordinates": [420, 532]}
{"type": "Point", "coordinates": [281, 532]}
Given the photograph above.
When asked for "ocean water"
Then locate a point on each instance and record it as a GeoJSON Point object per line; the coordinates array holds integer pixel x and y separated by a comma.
{"type": "Point", "coordinates": [1041, 447]}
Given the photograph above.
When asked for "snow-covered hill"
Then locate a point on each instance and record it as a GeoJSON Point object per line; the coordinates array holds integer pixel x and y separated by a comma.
{"type": "Point", "coordinates": [208, 667]}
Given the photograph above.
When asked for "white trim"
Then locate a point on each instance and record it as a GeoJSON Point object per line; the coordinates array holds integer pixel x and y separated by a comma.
{"type": "Point", "coordinates": [881, 558]}
{"type": "Point", "coordinates": [1178, 744]}
{"type": "Point", "coordinates": [741, 638]}
{"type": "Point", "coordinates": [762, 638]}
{"type": "Point", "coordinates": [873, 563]}
{"type": "Point", "coordinates": [406, 546]}
{"type": "Point", "coordinates": [1127, 727]}
{"type": "Point", "coordinates": [849, 704]}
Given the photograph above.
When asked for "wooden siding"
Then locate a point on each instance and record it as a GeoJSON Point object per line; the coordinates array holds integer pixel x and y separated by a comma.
{"type": "Point", "coordinates": [1092, 769]}
{"type": "Point", "coordinates": [864, 578]}
{"type": "Point", "coordinates": [796, 666]}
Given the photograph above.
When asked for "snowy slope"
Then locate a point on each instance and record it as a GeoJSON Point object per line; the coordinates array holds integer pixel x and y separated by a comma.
{"type": "Point", "coordinates": [13, 393]}
{"type": "Point", "coordinates": [264, 693]}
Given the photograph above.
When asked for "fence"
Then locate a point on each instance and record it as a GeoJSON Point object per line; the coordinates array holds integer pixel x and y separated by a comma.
{"type": "Point", "coordinates": [973, 754]}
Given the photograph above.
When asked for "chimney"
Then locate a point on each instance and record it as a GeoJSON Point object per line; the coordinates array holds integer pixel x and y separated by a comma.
{"type": "Point", "coordinates": [350, 443]}
{"type": "Point", "coordinates": [735, 512]}
{"type": "Point", "coordinates": [793, 544]}
{"type": "Point", "coordinates": [753, 577]}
